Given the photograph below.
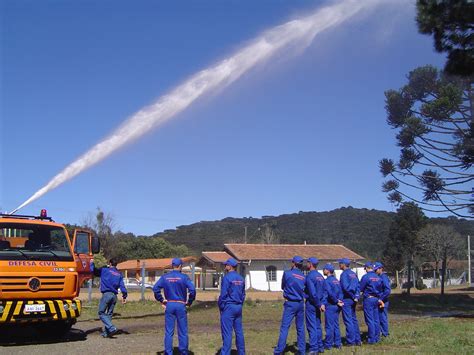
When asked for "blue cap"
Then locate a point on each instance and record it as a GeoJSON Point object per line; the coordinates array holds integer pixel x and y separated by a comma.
{"type": "Point", "coordinates": [314, 261]}
{"type": "Point", "coordinates": [297, 259]}
{"type": "Point", "coordinates": [176, 262]}
{"type": "Point", "coordinates": [344, 261]}
{"type": "Point", "coordinates": [231, 261]}
{"type": "Point", "coordinates": [378, 265]}
{"type": "Point", "coordinates": [329, 267]}
{"type": "Point", "coordinates": [369, 264]}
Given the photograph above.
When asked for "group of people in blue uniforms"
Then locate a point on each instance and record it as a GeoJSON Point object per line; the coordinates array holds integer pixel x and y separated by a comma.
{"type": "Point", "coordinates": [306, 298]}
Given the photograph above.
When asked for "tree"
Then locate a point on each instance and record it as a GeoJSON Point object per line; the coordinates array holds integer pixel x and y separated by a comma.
{"type": "Point", "coordinates": [403, 239]}
{"type": "Point", "coordinates": [127, 246]}
{"type": "Point", "coordinates": [433, 116]}
{"type": "Point", "coordinates": [451, 22]}
{"type": "Point", "coordinates": [268, 234]}
{"type": "Point", "coordinates": [440, 243]}
{"type": "Point", "coordinates": [103, 225]}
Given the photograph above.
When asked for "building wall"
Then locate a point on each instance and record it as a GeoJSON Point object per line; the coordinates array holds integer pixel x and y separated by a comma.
{"type": "Point", "coordinates": [256, 275]}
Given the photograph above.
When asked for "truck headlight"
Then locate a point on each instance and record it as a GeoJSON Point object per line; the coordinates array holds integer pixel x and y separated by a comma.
{"type": "Point", "coordinates": [74, 306]}
{"type": "Point", "coordinates": [1, 309]}
{"type": "Point", "coordinates": [66, 307]}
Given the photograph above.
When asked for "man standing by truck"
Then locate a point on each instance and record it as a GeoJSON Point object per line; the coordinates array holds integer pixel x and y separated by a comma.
{"type": "Point", "coordinates": [110, 281]}
{"type": "Point", "coordinates": [230, 304]}
{"type": "Point", "coordinates": [176, 286]}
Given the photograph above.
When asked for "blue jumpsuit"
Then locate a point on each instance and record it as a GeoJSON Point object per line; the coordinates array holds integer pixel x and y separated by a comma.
{"type": "Point", "coordinates": [110, 281]}
{"type": "Point", "coordinates": [230, 304]}
{"type": "Point", "coordinates": [175, 285]}
{"type": "Point", "coordinates": [315, 298]}
{"type": "Point", "coordinates": [333, 295]}
{"type": "Point", "coordinates": [371, 286]}
{"type": "Point", "coordinates": [351, 292]}
{"type": "Point", "coordinates": [293, 286]}
{"type": "Point", "coordinates": [383, 312]}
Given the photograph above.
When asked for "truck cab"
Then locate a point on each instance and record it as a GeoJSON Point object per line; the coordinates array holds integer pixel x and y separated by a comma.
{"type": "Point", "coordinates": [42, 269]}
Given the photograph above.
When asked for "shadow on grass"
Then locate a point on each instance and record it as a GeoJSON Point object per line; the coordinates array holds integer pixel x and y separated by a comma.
{"type": "Point", "coordinates": [100, 330]}
{"type": "Point", "coordinates": [232, 352]}
{"type": "Point", "coordinates": [175, 352]}
{"type": "Point", "coordinates": [291, 349]}
{"type": "Point", "coordinates": [453, 305]}
{"type": "Point", "coordinates": [119, 316]}
{"type": "Point", "coordinates": [198, 305]}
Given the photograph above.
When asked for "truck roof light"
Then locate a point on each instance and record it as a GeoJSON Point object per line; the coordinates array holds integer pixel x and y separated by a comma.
{"type": "Point", "coordinates": [43, 213]}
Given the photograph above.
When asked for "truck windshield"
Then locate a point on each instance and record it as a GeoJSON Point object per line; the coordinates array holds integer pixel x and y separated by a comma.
{"type": "Point", "coordinates": [33, 242]}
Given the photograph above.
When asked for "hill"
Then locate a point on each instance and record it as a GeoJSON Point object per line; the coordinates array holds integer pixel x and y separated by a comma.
{"type": "Point", "coordinates": [362, 230]}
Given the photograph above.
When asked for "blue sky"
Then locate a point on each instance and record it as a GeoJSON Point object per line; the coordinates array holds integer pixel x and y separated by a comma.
{"type": "Point", "coordinates": [301, 133]}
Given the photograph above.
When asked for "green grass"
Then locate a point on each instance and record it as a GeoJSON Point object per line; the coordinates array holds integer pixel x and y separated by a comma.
{"type": "Point", "coordinates": [432, 335]}
{"type": "Point", "coordinates": [408, 333]}
{"type": "Point", "coordinates": [427, 304]}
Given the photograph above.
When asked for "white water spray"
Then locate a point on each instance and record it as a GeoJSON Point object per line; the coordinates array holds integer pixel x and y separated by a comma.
{"type": "Point", "coordinates": [298, 32]}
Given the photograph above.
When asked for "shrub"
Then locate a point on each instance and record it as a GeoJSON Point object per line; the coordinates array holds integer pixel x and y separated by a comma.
{"type": "Point", "coordinates": [419, 284]}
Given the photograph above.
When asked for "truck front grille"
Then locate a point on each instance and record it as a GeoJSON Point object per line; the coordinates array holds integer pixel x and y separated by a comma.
{"type": "Point", "coordinates": [14, 284]}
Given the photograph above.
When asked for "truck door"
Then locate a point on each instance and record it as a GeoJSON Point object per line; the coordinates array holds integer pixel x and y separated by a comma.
{"type": "Point", "coordinates": [85, 246]}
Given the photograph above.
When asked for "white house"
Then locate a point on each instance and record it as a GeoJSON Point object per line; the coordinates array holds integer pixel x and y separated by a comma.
{"type": "Point", "coordinates": [262, 265]}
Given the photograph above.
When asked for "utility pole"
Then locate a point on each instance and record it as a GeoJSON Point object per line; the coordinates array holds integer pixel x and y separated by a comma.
{"type": "Point", "coordinates": [469, 279]}
{"type": "Point", "coordinates": [245, 237]}
{"type": "Point", "coordinates": [143, 282]}
{"type": "Point", "coordinates": [89, 293]}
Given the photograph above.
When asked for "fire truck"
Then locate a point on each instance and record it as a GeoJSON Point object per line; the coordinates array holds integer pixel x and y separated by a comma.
{"type": "Point", "coordinates": [42, 269]}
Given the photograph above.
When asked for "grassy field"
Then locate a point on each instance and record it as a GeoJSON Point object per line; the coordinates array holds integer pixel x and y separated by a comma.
{"type": "Point", "coordinates": [418, 325]}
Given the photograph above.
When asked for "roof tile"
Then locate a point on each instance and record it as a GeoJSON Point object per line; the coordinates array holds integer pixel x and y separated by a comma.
{"type": "Point", "coordinates": [158, 264]}
{"type": "Point", "coordinates": [287, 251]}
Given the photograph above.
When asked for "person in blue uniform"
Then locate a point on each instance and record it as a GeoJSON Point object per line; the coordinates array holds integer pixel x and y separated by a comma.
{"type": "Point", "coordinates": [230, 304]}
{"type": "Point", "coordinates": [110, 281]}
{"type": "Point", "coordinates": [176, 287]}
{"type": "Point", "coordinates": [371, 287]}
{"type": "Point", "coordinates": [386, 290]}
{"type": "Point", "coordinates": [334, 304]}
{"type": "Point", "coordinates": [314, 306]}
{"type": "Point", "coordinates": [293, 286]}
{"type": "Point", "coordinates": [351, 294]}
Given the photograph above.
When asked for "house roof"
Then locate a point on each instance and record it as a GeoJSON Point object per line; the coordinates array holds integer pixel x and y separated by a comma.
{"type": "Point", "coordinates": [217, 257]}
{"type": "Point", "coordinates": [152, 264]}
{"type": "Point", "coordinates": [287, 251]}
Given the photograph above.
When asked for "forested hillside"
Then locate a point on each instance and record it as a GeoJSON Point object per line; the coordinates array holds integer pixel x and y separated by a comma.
{"type": "Point", "coordinates": [362, 230]}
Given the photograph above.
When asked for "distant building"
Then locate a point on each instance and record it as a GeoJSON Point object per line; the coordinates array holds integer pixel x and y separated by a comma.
{"type": "Point", "coordinates": [154, 268]}
{"type": "Point", "coordinates": [262, 265]}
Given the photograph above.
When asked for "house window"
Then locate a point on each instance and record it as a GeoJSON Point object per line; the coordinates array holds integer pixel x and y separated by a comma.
{"type": "Point", "coordinates": [271, 273]}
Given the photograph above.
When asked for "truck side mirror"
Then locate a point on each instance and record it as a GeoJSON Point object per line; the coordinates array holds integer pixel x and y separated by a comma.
{"type": "Point", "coordinates": [95, 245]}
